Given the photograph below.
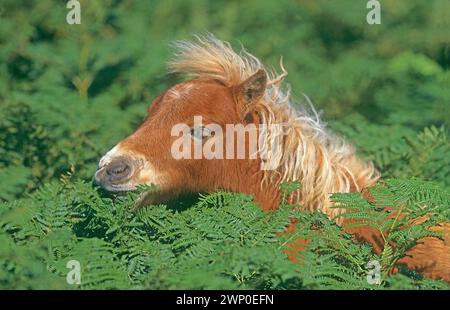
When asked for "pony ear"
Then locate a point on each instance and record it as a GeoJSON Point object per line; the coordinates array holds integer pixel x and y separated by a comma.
{"type": "Point", "coordinates": [251, 90]}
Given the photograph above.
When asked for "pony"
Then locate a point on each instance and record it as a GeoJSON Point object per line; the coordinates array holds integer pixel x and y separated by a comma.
{"type": "Point", "coordinates": [226, 87]}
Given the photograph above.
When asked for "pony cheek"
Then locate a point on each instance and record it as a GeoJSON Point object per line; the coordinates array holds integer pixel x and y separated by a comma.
{"type": "Point", "coordinates": [149, 175]}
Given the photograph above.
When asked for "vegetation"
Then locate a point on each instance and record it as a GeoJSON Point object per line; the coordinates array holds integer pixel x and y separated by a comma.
{"type": "Point", "coordinates": [70, 92]}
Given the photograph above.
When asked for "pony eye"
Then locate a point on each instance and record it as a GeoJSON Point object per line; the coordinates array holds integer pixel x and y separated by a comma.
{"type": "Point", "coordinates": [201, 133]}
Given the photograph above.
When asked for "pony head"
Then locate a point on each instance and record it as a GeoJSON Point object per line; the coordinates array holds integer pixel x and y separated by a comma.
{"type": "Point", "coordinates": [229, 88]}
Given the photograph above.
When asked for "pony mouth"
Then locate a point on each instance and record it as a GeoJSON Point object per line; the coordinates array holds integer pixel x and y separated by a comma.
{"type": "Point", "coordinates": [110, 186]}
{"type": "Point", "coordinates": [119, 188]}
{"type": "Point", "coordinates": [114, 188]}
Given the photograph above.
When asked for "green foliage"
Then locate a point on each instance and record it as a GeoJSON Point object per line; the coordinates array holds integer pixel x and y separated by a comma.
{"type": "Point", "coordinates": [395, 206]}
{"type": "Point", "coordinates": [70, 92]}
{"type": "Point", "coordinates": [224, 241]}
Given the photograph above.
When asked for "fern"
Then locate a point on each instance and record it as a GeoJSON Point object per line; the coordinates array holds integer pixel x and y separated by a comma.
{"type": "Point", "coordinates": [396, 205]}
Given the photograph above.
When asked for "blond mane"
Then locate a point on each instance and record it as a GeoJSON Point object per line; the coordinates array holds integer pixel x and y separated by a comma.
{"type": "Point", "coordinates": [321, 161]}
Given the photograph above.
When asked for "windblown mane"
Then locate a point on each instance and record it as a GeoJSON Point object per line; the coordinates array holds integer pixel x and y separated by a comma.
{"type": "Point", "coordinates": [322, 162]}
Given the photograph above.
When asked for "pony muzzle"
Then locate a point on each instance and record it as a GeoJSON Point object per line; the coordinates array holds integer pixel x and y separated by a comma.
{"type": "Point", "coordinates": [116, 174]}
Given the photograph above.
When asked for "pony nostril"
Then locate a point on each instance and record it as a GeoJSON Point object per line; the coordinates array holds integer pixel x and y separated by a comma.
{"type": "Point", "coordinates": [118, 170]}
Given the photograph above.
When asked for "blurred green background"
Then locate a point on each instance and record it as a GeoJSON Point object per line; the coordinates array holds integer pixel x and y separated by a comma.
{"type": "Point", "coordinates": [70, 92]}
